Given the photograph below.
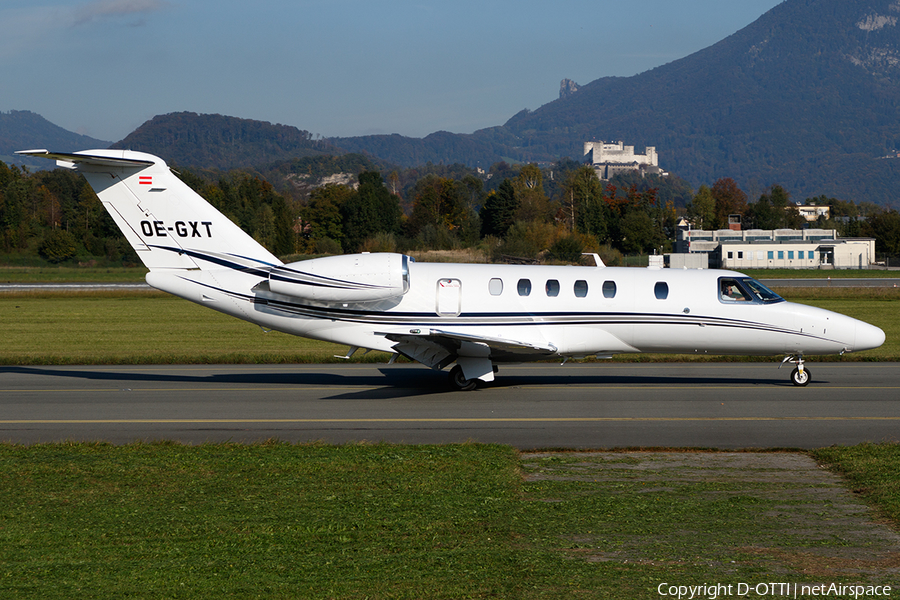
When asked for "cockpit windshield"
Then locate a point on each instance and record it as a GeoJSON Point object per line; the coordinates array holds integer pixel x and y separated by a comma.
{"type": "Point", "coordinates": [745, 289]}
{"type": "Point", "coordinates": [762, 292]}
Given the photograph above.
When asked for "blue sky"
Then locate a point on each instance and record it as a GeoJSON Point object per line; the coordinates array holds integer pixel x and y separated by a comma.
{"type": "Point", "coordinates": [334, 67]}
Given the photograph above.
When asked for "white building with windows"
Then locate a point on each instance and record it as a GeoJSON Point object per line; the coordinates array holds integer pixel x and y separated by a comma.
{"type": "Point", "coordinates": [777, 249]}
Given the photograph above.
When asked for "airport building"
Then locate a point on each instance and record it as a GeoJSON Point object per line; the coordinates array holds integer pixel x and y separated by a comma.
{"type": "Point", "coordinates": [773, 249]}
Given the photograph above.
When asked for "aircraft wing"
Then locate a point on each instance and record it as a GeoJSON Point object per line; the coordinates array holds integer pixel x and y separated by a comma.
{"type": "Point", "coordinates": [437, 348]}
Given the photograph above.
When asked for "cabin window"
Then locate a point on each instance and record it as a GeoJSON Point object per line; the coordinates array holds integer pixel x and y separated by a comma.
{"type": "Point", "coordinates": [524, 287]}
{"type": "Point", "coordinates": [781, 255]}
{"type": "Point", "coordinates": [790, 255]}
{"type": "Point", "coordinates": [800, 254]}
{"type": "Point", "coordinates": [581, 288]}
{"type": "Point", "coordinates": [771, 255]}
{"type": "Point", "coordinates": [740, 256]}
{"type": "Point", "coordinates": [552, 288]}
{"type": "Point", "coordinates": [609, 289]}
{"type": "Point", "coordinates": [661, 289]}
{"type": "Point", "coordinates": [731, 255]}
{"type": "Point", "coordinates": [495, 287]}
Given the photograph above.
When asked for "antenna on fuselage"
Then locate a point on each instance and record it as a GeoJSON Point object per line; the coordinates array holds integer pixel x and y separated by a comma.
{"type": "Point", "coordinates": [597, 260]}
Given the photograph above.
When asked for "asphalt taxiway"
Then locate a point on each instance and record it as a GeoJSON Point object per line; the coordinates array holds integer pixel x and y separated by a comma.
{"type": "Point", "coordinates": [605, 405]}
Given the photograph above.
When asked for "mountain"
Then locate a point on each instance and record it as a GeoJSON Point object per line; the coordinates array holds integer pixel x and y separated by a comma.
{"type": "Point", "coordinates": [807, 96]}
{"type": "Point", "coordinates": [24, 130]}
{"type": "Point", "coordinates": [220, 142]}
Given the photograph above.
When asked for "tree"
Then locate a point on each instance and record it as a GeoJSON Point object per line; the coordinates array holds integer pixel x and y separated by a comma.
{"type": "Point", "coordinates": [884, 226]}
{"type": "Point", "coordinates": [701, 211]}
{"type": "Point", "coordinates": [533, 204]}
{"type": "Point", "coordinates": [58, 245]}
{"type": "Point", "coordinates": [774, 210]}
{"type": "Point", "coordinates": [584, 203]}
{"type": "Point", "coordinates": [323, 212]}
{"type": "Point", "coordinates": [285, 238]}
{"type": "Point", "coordinates": [568, 248]}
{"type": "Point", "coordinates": [763, 215]}
{"type": "Point", "coordinates": [370, 210]}
{"type": "Point", "coordinates": [639, 233]}
{"type": "Point", "coordinates": [729, 199]}
{"type": "Point", "coordinates": [499, 210]}
{"type": "Point", "coordinates": [441, 204]}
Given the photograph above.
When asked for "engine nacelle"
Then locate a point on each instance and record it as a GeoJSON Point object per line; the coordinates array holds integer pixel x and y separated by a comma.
{"type": "Point", "coordinates": [347, 278]}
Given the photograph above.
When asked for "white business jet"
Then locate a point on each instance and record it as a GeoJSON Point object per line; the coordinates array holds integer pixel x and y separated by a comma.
{"type": "Point", "coordinates": [476, 316]}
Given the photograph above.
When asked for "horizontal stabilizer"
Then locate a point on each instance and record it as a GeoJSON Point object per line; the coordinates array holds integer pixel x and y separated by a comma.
{"type": "Point", "coordinates": [74, 158]}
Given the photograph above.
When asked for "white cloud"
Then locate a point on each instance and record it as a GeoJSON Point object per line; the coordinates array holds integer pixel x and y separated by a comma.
{"type": "Point", "coordinates": [103, 9]}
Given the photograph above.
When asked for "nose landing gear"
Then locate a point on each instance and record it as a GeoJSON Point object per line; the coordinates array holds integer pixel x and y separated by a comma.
{"type": "Point", "coordinates": [800, 376]}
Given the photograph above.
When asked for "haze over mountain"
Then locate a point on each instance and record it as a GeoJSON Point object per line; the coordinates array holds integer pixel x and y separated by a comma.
{"type": "Point", "coordinates": [807, 97]}
{"type": "Point", "coordinates": [24, 130]}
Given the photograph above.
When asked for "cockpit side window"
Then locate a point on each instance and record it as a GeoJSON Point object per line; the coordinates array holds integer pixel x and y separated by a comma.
{"type": "Point", "coordinates": [731, 291]}
{"type": "Point", "coordinates": [746, 289]}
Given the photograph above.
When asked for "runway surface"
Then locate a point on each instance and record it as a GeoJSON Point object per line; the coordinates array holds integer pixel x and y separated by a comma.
{"type": "Point", "coordinates": [606, 405]}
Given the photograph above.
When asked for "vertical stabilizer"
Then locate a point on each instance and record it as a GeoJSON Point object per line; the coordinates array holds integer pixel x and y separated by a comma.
{"type": "Point", "coordinates": [168, 224]}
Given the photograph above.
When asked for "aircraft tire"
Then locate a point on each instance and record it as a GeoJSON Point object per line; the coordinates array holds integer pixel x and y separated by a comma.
{"type": "Point", "coordinates": [801, 380]}
{"type": "Point", "coordinates": [459, 381]}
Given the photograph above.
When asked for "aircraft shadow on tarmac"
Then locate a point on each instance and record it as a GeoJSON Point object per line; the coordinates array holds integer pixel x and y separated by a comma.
{"type": "Point", "coordinates": [395, 381]}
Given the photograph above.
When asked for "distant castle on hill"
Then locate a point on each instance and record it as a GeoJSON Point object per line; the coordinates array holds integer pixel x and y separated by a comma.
{"type": "Point", "coordinates": [610, 159]}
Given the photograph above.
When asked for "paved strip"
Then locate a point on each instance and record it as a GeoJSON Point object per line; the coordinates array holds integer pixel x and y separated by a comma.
{"type": "Point", "coordinates": [607, 405]}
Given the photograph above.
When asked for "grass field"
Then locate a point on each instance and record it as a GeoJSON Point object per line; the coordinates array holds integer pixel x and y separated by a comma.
{"type": "Point", "coordinates": [140, 328]}
{"type": "Point", "coordinates": [459, 521]}
{"type": "Point", "coordinates": [156, 328]}
{"type": "Point", "coordinates": [56, 274]}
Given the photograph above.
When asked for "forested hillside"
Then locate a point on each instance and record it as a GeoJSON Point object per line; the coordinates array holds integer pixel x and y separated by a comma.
{"type": "Point", "coordinates": [220, 142]}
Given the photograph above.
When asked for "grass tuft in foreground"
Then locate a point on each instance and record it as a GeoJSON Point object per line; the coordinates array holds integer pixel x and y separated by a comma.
{"type": "Point", "coordinates": [872, 470]}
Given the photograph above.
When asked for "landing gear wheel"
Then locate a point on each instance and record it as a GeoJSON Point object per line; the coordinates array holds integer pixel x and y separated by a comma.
{"type": "Point", "coordinates": [459, 381]}
{"type": "Point", "coordinates": [798, 378]}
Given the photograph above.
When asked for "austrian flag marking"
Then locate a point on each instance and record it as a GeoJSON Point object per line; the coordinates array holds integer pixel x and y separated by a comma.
{"type": "Point", "coordinates": [145, 180]}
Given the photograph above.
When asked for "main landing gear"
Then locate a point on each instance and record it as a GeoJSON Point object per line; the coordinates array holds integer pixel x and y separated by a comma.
{"type": "Point", "coordinates": [800, 375]}
{"type": "Point", "coordinates": [459, 382]}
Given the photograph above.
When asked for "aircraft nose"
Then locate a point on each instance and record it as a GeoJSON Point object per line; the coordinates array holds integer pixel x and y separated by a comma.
{"type": "Point", "coordinates": [868, 337]}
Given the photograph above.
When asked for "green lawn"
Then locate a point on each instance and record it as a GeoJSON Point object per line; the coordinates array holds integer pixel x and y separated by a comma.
{"type": "Point", "coordinates": [141, 328]}
{"type": "Point", "coordinates": [58, 274]}
{"type": "Point", "coordinates": [419, 522]}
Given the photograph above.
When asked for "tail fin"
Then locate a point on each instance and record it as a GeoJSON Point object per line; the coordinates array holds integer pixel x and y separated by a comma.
{"type": "Point", "coordinates": [166, 222]}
